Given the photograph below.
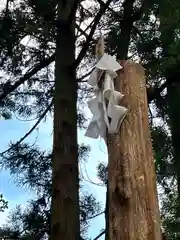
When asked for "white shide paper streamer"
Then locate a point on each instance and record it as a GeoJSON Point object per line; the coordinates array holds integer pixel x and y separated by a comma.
{"type": "Point", "coordinates": [105, 103]}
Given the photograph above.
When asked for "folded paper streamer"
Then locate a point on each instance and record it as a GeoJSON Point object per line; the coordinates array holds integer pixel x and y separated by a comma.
{"type": "Point", "coordinates": [104, 106]}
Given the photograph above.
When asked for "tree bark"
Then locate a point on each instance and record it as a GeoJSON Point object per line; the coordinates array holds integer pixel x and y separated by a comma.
{"type": "Point", "coordinates": [65, 181]}
{"type": "Point", "coordinates": [133, 202]}
{"type": "Point", "coordinates": [107, 213]}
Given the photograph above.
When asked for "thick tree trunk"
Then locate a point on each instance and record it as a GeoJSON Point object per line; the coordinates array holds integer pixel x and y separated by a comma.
{"type": "Point", "coordinates": [173, 92]}
{"type": "Point", "coordinates": [133, 203]}
{"type": "Point", "coordinates": [65, 181]}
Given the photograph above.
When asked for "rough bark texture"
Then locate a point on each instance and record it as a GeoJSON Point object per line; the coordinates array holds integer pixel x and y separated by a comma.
{"type": "Point", "coordinates": [65, 182]}
{"type": "Point", "coordinates": [133, 203]}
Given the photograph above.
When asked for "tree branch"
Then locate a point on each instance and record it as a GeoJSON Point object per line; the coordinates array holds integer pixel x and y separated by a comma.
{"type": "Point", "coordinates": [7, 89]}
{"type": "Point", "coordinates": [81, 31]}
{"type": "Point", "coordinates": [171, 77]}
{"type": "Point", "coordinates": [7, 7]}
{"type": "Point", "coordinates": [100, 235]}
{"type": "Point", "coordinates": [96, 215]}
{"type": "Point", "coordinates": [73, 11]}
{"type": "Point", "coordinates": [31, 130]}
{"type": "Point", "coordinates": [137, 15]}
{"type": "Point", "coordinates": [136, 30]}
{"type": "Point", "coordinates": [154, 92]}
{"type": "Point", "coordinates": [85, 75]}
{"type": "Point", "coordinates": [110, 9]}
{"type": "Point", "coordinates": [89, 37]}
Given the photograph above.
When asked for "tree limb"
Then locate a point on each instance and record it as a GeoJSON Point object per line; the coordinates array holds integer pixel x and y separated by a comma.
{"type": "Point", "coordinates": [85, 75]}
{"type": "Point", "coordinates": [100, 235]}
{"type": "Point", "coordinates": [137, 15]}
{"type": "Point", "coordinates": [110, 9]}
{"type": "Point", "coordinates": [138, 32]}
{"type": "Point", "coordinates": [93, 28]}
{"type": "Point", "coordinates": [171, 77]}
{"type": "Point", "coordinates": [10, 88]}
{"type": "Point", "coordinates": [31, 130]}
{"type": "Point", "coordinates": [81, 31]}
{"type": "Point", "coordinates": [73, 11]}
{"type": "Point", "coordinates": [7, 7]}
{"type": "Point", "coordinates": [96, 215]}
{"type": "Point", "coordinates": [154, 92]}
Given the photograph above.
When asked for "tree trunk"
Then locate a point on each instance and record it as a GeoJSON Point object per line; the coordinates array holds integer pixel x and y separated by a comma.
{"type": "Point", "coordinates": [126, 25]}
{"type": "Point", "coordinates": [107, 213]}
{"type": "Point", "coordinates": [65, 181]}
{"type": "Point", "coordinates": [173, 92]}
{"type": "Point", "coordinates": [133, 202]}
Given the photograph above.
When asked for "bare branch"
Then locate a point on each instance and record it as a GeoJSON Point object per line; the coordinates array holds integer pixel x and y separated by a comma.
{"type": "Point", "coordinates": [81, 31]}
{"type": "Point", "coordinates": [73, 11]}
{"type": "Point", "coordinates": [96, 215]}
{"type": "Point", "coordinates": [100, 235]}
{"type": "Point", "coordinates": [85, 75]}
{"type": "Point", "coordinates": [10, 88]}
{"type": "Point", "coordinates": [7, 7]}
{"type": "Point", "coordinates": [89, 38]}
{"type": "Point", "coordinates": [138, 32]}
{"type": "Point", "coordinates": [110, 9]}
{"type": "Point", "coordinates": [31, 130]}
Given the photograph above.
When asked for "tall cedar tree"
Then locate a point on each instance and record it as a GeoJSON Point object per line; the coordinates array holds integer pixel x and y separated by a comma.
{"type": "Point", "coordinates": [52, 26]}
{"type": "Point", "coordinates": [65, 175]}
{"type": "Point", "coordinates": [155, 40]}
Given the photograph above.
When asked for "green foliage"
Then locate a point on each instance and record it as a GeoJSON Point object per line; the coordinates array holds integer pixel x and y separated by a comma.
{"type": "Point", "coordinates": [3, 204]}
{"type": "Point", "coordinates": [31, 167]}
{"type": "Point", "coordinates": [22, 161]}
{"type": "Point", "coordinates": [162, 145]}
{"type": "Point", "coordinates": [102, 172]}
{"type": "Point", "coordinates": [170, 215]}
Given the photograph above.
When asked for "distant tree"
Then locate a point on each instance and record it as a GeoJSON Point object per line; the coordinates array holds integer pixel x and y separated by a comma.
{"type": "Point", "coordinates": [34, 220]}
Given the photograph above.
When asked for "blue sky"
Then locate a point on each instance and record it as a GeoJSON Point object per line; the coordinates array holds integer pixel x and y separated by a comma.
{"type": "Point", "coordinates": [13, 130]}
